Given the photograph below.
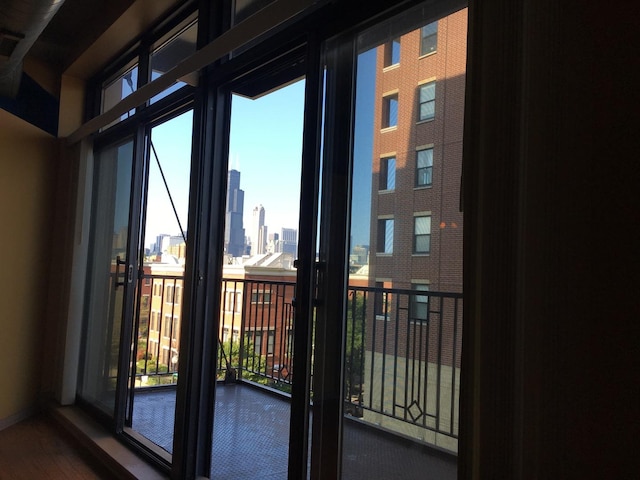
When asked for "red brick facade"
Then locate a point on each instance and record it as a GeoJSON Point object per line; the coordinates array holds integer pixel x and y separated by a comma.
{"type": "Point", "coordinates": [441, 268]}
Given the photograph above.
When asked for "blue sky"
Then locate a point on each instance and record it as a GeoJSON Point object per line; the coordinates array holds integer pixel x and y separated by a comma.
{"type": "Point", "coordinates": [266, 147]}
{"type": "Point", "coordinates": [172, 141]}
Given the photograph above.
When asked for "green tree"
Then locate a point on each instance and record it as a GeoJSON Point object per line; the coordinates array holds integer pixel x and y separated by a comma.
{"type": "Point", "coordinates": [354, 361]}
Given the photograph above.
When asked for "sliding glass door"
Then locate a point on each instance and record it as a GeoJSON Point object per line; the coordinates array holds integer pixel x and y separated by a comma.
{"type": "Point", "coordinates": [261, 362]}
{"type": "Point", "coordinates": [156, 328]}
{"type": "Point", "coordinates": [292, 307]}
{"type": "Point", "coordinates": [110, 281]}
{"type": "Point", "coordinates": [389, 315]}
{"type": "Point", "coordinates": [135, 284]}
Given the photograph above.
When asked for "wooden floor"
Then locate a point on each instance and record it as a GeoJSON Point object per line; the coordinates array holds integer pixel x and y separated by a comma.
{"type": "Point", "coordinates": [37, 448]}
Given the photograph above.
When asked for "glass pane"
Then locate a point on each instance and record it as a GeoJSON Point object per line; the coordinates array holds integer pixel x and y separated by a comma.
{"type": "Point", "coordinates": [388, 237]}
{"type": "Point", "coordinates": [429, 41]}
{"type": "Point", "coordinates": [423, 243]}
{"type": "Point", "coordinates": [427, 110]}
{"type": "Point", "coordinates": [121, 86]}
{"type": "Point", "coordinates": [423, 225]}
{"type": "Point", "coordinates": [425, 158]}
{"type": "Point", "coordinates": [106, 278]}
{"type": "Point", "coordinates": [170, 54]}
{"type": "Point", "coordinates": [256, 361]}
{"type": "Point", "coordinates": [160, 286]}
{"type": "Point", "coordinates": [392, 120]}
{"type": "Point", "coordinates": [391, 174]}
{"type": "Point", "coordinates": [427, 92]}
{"type": "Point", "coordinates": [402, 357]}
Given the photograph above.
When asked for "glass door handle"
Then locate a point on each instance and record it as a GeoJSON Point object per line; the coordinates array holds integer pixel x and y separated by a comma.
{"type": "Point", "coordinates": [118, 263]}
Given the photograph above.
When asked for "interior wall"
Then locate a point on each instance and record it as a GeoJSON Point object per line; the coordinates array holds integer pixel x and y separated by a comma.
{"type": "Point", "coordinates": [551, 379]}
{"type": "Point", "coordinates": [28, 159]}
{"type": "Point", "coordinates": [579, 254]}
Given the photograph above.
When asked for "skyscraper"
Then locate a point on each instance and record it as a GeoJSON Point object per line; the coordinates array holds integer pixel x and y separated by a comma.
{"type": "Point", "coordinates": [234, 230]}
{"type": "Point", "coordinates": [289, 240]}
{"type": "Point", "coordinates": [258, 231]}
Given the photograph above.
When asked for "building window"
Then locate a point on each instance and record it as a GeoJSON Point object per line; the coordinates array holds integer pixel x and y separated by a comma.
{"type": "Point", "coordinates": [382, 300]}
{"type": "Point", "coordinates": [392, 52]}
{"type": "Point", "coordinates": [230, 301]}
{"type": "Point", "coordinates": [166, 326]}
{"type": "Point", "coordinates": [174, 329]}
{"type": "Point", "coordinates": [390, 111]}
{"type": "Point", "coordinates": [420, 303]}
{"type": "Point", "coordinates": [261, 297]}
{"type": "Point", "coordinates": [388, 173]}
{"type": "Point", "coordinates": [424, 167]}
{"type": "Point", "coordinates": [257, 343]}
{"type": "Point", "coordinates": [271, 340]}
{"type": "Point", "coordinates": [429, 38]}
{"type": "Point", "coordinates": [427, 99]}
{"type": "Point", "coordinates": [385, 235]}
{"type": "Point", "coordinates": [422, 234]}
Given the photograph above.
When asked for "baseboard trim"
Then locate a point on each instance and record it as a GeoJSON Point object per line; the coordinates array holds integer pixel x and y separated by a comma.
{"type": "Point", "coordinates": [18, 417]}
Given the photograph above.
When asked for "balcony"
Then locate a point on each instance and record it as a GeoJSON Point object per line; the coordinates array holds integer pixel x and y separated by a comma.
{"type": "Point", "coordinates": [402, 370]}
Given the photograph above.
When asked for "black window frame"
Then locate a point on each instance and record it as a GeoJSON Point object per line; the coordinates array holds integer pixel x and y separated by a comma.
{"type": "Point", "coordinates": [424, 171]}
{"type": "Point", "coordinates": [430, 101]}
{"type": "Point", "coordinates": [428, 38]}
{"type": "Point", "coordinates": [417, 236]}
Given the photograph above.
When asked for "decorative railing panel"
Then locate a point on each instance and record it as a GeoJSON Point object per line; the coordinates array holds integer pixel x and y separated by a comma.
{"type": "Point", "coordinates": [402, 348]}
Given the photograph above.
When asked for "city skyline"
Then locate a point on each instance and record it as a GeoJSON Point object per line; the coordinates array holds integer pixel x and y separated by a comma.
{"type": "Point", "coordinates": [265, 144]}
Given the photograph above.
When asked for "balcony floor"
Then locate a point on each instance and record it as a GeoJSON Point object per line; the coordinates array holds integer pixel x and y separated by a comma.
{"type": "Point", "coordinates": [251, 432]}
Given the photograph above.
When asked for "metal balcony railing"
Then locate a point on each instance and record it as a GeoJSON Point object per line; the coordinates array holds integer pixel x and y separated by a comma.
{"type": "Point", "coordinates": [402, 348]}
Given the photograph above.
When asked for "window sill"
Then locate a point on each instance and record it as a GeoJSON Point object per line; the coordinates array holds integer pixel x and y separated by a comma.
{"type": "Point", "coordinates": [386, 192]}
{"type": "Point", "coordinates": [388, 68]}
{"type": "Point", "coordinates": [426, 120]}
{"type": "Point", "coordinates": [103, 446]}
{"type": "Point", "coordinates": [423, 187]}
{"type": "Point", "coordinates": [388, 129]}
{"type": "Point", "coordinates": [384, 254]}
{"type": "Point", "coordinates": [427, 54]}
{"type": "Point", "coordinates": [421, 254]}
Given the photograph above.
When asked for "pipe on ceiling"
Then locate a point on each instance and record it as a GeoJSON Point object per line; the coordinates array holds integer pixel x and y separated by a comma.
{"type": "Point", "coordinates": [21, 23]}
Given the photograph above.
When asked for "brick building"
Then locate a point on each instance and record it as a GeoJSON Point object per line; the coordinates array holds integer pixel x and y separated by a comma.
{"type": "Point", "coordinates": [416, 222]}
{"type": "Point", "coordinates": [416, 233]}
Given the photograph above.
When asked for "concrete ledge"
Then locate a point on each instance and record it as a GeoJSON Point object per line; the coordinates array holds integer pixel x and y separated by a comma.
{"type": "Point", "coordinates": [122, 462]}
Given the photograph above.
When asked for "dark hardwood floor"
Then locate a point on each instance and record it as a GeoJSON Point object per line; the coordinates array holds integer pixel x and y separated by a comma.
{"type": "Point", "coordinates": [39, 448]}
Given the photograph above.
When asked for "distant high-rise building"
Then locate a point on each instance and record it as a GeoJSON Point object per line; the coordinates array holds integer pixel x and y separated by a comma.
{"type": "Point", "coordinates": [289, 241]}
{"type": "Point", "coordinates": [234, 240]}
{"type": "Point", "coordinates": [258, 231]}
{"type": "Point", "coordinates": [162, 243]}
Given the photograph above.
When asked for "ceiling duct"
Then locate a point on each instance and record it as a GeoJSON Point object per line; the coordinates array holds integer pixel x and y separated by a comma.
{"type": "Point", "coordinates": [21, 23]}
